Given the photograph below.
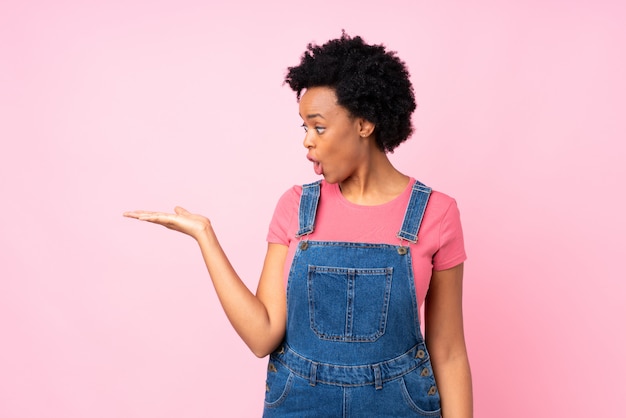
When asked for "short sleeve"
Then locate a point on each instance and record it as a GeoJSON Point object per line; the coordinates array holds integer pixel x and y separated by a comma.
{"type": "Point", "coordinates": [284, 220]}
{"type": "Point", "coordinates": [451, 250]}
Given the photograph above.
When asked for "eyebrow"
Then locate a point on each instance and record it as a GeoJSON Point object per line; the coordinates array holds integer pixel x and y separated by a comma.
{"type": "Point", "coordinates": [314, 115]}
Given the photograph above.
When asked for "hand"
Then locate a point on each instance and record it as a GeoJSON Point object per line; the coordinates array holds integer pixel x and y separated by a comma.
{"type": "Point", "coordinates": [181, 220]}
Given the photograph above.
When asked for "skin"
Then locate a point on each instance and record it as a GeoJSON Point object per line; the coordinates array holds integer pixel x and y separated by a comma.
{"type": "Point", "coordinates": [343, 149]}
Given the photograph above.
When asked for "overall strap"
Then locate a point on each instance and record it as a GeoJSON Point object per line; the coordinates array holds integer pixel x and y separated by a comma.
{"type": "Point", "coordinates": [414, 212]}
{"type": "Point", "coordinates": [308, 208]}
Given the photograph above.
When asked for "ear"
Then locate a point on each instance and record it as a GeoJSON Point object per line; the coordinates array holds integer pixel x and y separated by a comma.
{"type": "Point", "coordinates": [366, 128]}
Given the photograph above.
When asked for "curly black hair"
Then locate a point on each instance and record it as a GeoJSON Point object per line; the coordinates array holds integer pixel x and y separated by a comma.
{"type": "Point", "coordinates": [369, 81]}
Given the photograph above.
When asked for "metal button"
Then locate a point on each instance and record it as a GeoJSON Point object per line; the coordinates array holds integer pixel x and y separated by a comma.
{"type": "Point", "coordinates": [425, 373]}
{"type": "Point", "coordinates": [402, 250]}
{"type": "Point", "coordinates": [304, 245]}
{"type": "Point", "coordinates": [432, 390]}
{"type": "Point", "coordinates": [281, 350]}
{"type": "Point", "coordinates": [420, 354]}
{"type": "Point", "coordinates": [267, 387]}
{"type": "Point", "coordinates": [271, 367]}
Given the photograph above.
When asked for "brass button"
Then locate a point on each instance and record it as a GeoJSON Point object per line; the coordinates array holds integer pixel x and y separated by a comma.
{"type": "Point", "coordinates": [304, 245]}
{"type": "Point", "coordinates": [402, 250]}
{"type": "Point", "coordinates": [281, 350]}
{"type": "Point", "coordinates": [420, 354]}
{"type": "Point", "coordinates": [432, 390]}
{"type": "Point", "coordinates": [271, 367]}
{"type": "Point", "coordinates": [267, 387]}
{"type": "Point", "coordinates": [425, 373]}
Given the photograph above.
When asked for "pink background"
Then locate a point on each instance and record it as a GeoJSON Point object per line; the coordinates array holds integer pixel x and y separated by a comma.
{"type": "Point", "coordinates": [119, 105]}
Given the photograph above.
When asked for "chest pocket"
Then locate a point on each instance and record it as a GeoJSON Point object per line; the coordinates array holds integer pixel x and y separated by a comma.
{"type": "Point", "coordinates": [348, 304]}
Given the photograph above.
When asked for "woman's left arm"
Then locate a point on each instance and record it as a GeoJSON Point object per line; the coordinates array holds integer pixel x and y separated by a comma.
{"type": "Point", "coordinates": [446, 342]}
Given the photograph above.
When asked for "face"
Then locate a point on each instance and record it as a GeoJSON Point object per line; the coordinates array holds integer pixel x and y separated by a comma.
{"type": "Point", "coordinates": [335, 140]}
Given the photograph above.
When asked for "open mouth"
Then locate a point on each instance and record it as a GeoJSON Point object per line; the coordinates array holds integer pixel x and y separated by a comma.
{"type": "Point", "coordinates": [317, 166]}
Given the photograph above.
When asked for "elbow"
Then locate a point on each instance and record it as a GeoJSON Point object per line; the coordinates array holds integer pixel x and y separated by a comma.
{"type": "Point", "coordinates": [262, 350]}
{"type": "Point", "coordinates": [265, 342]}
{"type": "Point", "coordinates": [260, 353]}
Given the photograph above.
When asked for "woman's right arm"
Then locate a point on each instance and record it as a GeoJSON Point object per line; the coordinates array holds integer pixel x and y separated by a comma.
{"type": "Point", "coordinates": [258, 319]}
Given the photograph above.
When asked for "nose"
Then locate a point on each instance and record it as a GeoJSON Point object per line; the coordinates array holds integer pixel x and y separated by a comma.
{"type": "Point", "coordinates": [308, 139]}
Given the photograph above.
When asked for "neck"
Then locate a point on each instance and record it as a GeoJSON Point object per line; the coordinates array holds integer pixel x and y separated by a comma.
{"type": "Point", "coordinates": [376, 182]}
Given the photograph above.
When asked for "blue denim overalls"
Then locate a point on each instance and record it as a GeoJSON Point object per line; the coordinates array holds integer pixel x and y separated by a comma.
{"type": "Point", "coordinates": [353, 345]}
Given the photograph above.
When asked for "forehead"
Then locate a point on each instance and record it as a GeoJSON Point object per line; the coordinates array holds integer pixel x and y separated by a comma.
{"type": "Point", "coordinates": [319, 101]}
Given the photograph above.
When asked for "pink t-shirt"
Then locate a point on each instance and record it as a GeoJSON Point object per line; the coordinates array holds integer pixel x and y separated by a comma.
{"type": "Point", "coordinates": [440, 238]}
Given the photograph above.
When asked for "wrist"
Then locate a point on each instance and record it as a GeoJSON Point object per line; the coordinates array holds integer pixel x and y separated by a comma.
{"type": "Point", "coordinates": [205, 234]}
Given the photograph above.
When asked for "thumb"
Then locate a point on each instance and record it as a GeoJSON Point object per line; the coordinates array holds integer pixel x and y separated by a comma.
{"type": "Point", "coordinates": [181, 211]}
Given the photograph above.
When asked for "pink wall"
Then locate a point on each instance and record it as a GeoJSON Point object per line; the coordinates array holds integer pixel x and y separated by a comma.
{"type": "Point", "coordinates": [111, 106]}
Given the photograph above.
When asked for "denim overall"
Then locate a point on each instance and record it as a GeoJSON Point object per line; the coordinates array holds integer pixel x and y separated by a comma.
{"type": "Point", "coordinates": [353, 345]}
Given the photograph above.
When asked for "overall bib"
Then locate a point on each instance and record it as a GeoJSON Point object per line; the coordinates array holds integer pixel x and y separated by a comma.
{"type": "Point", "coordinates": [353, 345]}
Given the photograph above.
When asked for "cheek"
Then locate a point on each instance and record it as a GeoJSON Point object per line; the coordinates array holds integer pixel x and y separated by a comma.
{"type": "Point", "coordinates": [351, 148]}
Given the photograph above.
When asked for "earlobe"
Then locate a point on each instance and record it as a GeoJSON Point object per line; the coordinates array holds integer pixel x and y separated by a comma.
{"type": "Point", "coordinates": [366, 128]}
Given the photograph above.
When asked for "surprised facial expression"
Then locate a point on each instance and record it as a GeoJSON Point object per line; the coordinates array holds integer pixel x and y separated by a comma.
{"type": "Point", "coordinates": [334, 138]}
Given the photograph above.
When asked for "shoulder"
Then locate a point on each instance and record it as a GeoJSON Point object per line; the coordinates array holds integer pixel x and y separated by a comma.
{"type": "Point", "coordinates": [443, 220]}
{"type": "Point", "coordinates": [294, 192]}
{"type": "Point", "coordinates": [289, 200]}
{"type": "Point", "coordinates": [442, 217]}
{"type": "Point", "coordinates": [439, 203]}
{"type": "Point", "coordinates": [292, 195]}
{"type": "Point", "coordinates": [284, 221]}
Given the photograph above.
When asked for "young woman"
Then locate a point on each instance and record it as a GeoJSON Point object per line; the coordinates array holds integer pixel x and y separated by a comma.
{"type": "Point", "coordinates": [351, 258]}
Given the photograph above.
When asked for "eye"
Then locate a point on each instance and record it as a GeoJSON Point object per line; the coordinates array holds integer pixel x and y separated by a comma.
{"type": "Point", "coordinates": [319, 129]}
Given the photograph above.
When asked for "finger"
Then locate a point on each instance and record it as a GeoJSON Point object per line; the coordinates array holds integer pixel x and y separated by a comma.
{"type": "Point", "coordinates": [135, 214]}
{"type": "Point", "coordinates": [155, 216]}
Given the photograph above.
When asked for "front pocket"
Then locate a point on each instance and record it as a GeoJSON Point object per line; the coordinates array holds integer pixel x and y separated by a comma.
{"type": "Point", "coordinates": [419, 391]}
{"type": "Point", "coordinates": [278, 384]}
{"type": "Point", "coordinates": [348, 304]}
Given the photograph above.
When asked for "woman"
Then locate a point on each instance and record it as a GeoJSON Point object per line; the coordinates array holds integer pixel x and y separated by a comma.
{"type": "Point", "coordinates": [351, 258]}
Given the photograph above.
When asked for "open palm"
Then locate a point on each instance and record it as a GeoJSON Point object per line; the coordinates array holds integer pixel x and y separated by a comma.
{"type": "Point", "coordinates": [181, 220]}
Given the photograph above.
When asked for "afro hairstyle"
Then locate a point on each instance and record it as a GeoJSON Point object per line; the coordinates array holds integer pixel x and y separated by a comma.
{"type": "Point", "coordinates": [369, 81]}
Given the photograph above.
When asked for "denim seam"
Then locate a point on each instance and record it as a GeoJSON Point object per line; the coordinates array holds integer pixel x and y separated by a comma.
{"type": "Point", "coordinates": [367, 367]}
{"type": "Point", "coordinates": [418, 320]}
{"type": "Point", "coordinates": [351, 385]}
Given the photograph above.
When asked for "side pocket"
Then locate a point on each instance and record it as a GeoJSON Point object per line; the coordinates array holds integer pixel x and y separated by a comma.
{"type": "Point", "coordinates": [420, 392]}
{"type": "Point", "coordinates": [278, 383]}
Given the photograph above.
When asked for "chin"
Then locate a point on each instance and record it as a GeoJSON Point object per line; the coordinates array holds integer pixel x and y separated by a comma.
{"type": "Point", "coordinates": [330, 180]}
